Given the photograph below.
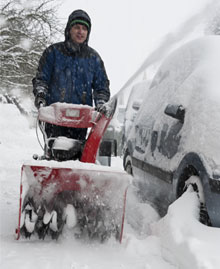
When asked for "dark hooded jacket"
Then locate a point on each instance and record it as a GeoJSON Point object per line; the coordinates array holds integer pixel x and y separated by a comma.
{"type": "Point", "coordinates": [72, 73]}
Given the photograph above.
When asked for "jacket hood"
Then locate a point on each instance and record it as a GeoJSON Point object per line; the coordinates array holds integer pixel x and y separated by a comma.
{"type": "Point", "coordinates": [77, 15]}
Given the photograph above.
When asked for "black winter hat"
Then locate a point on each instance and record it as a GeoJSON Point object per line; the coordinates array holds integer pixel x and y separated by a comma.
{"type": "Point", "coordinates": [78, 17]}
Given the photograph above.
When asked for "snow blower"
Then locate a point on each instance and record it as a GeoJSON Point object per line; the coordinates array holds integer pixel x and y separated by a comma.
{"type": "Point", "coordinates": [65, 187]}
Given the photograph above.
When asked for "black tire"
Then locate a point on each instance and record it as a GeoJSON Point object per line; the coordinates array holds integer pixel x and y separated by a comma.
{"type": "Point", "coordinates": [128, 165]}
{"type": "Point", "coordinates": [196, 184]}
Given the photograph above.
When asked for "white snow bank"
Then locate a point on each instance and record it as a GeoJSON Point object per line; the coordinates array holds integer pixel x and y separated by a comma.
{"type": "Point", "coordinates": [193, 244]}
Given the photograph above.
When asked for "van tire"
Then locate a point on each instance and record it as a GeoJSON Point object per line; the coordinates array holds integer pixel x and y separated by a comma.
{"type": "Point", "coordinates": [128, 165]}
{"type": "Point", "coordinates": [196, 184]}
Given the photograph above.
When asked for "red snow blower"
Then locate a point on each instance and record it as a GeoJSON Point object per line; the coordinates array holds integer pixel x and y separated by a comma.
{"type": "Point", "coordinates": [65, 188]}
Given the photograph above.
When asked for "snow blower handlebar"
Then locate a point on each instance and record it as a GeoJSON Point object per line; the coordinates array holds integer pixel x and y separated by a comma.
{"type": "Point", "coordinates": [79, 116]}
{"type": "Point", "coordinates": [75, 116]}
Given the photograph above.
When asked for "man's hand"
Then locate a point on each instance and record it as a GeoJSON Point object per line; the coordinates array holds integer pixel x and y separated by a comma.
{"type": "Point", "coordinates": [40, 99]}
{"type": "Point", "coordinates": [100, 106]}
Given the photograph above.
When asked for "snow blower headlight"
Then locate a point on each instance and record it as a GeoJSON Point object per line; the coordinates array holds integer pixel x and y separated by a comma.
{"type": "Point", "coordinates": [73, 113]}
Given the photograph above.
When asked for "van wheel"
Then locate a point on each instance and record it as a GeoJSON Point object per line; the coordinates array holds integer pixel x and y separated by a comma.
{"type": "Point", "coordinates": [128, 165]}
{"type": "Point", "coordinates": [195, 183]}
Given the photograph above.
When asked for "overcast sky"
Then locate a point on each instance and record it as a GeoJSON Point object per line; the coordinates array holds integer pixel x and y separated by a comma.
{"type": "Point", "coordinates": [124, 32]}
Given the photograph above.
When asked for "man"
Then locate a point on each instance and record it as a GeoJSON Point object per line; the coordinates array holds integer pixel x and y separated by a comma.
{"type": "Point", "coordinates": [71, 72]}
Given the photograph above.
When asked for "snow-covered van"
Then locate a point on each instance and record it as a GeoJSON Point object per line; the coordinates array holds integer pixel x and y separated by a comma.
{"type": "Point", "coordinates": [174, 142]}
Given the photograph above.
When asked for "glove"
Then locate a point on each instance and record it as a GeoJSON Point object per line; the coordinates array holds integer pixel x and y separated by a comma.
{"type": "Point", "coordinates": [40, 99]}
{"type": "Point", "coordinates": [100, 106]}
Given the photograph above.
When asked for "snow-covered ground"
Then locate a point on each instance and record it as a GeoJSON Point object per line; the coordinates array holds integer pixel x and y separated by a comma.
{"type": "Point", "coordinates": [176, 241]}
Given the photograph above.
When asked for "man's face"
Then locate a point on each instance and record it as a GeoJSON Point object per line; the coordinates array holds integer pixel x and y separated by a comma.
{"type": "Point", "coordinates": [78, 33]}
